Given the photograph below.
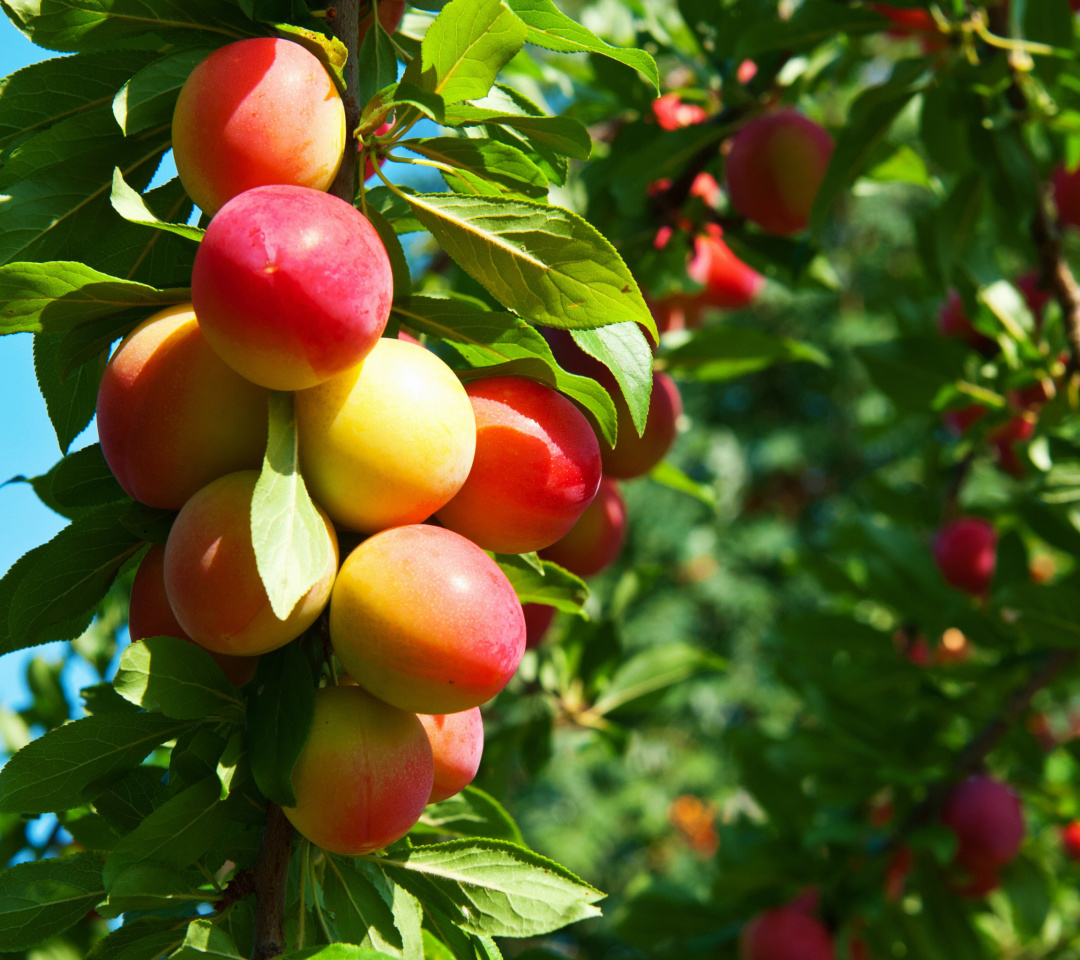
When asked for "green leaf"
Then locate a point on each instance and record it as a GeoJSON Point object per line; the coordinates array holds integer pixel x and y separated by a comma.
{"type": "Point", "coordinates": [133, 797]}
{"type": "Point", "coordinates": [131, 205]}
{"type": "Point", "coordinates": [563, 135]}
{"type": "Point", "coordinates": [869, 120]}
{"type": "Point", "coordinates": [546, 264]}
{"type": "Point", "coordinates": [292, 546]}
{"type": "Point", "coordinates": [279, 714]}
{"type": "Point", "coordinates": [361, 916]}
{"type": "Point", "coordinates": [176, 834]}
{"type": "Point", "coordinates": [337, 951]}
{"type": "Point", "coordinates": [149, 97]}
{"type": "Point", "coordinates": [504, 345]}
{"type": "Point", "coordinates": [669, 475]}
{"type": "Point", "coordinates": [492, 887]}
{"type": "Point", "coordinates": [146, 938]}
{"type": "Point", "coordinates": [556, 587]}
{"type": "Point", "coordinates": [45, 93]}
{"type": "Point", "coordinates": [68, 578]}
{"type": "Point", "coordinates": [471, 813]}
{"type": "Point", "coordinates": [178, 678]}
{"type": "Point", "coordinates": [550, 28]}
{"type": "Point", "coordinates": [378, 65]}
{"type": "Point", "coordinates": [59, 207]}
{"type": "Point", "coordinates": [60, 295]}
{"type": "Point", "coordinates": [150, 886]}
{"type": "Point", "coordinates": [401, 94]}
{"type": "Point", "coordinates": [624, 351]}
{"type": "Point", "coordinates": [488, 159]}
{"type": "Point", "coordinates": [71, 575]}
{"type": "Point", "coordinates": [811, 24]}
{"type": "Point", "coordinates": [83, 479]}
{"type": "Point", "coordinates": [79, 25]}
{"type": "Point", "coordinates": [72, 764]}
{"type": "Point", "coordinates": [70, 400]}
{"type": "Point", "coordinates": [913, 370]}
{"type": "Point", "coordinates": [399, 265]}
{"type": "Point", "coordinates": [723, 353]}
{"type": "Point", "coordinates": [652, 670]}
{"type": "Point", "coordinates": [205, 939]}
{"type": "Point", "coordinates": [45, 897]}
{"type": "Point", "coordinates": [465, 48]}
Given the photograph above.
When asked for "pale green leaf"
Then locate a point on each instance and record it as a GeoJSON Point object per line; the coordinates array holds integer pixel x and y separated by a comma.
{"type": "Point", "coordinates": [292, 546]}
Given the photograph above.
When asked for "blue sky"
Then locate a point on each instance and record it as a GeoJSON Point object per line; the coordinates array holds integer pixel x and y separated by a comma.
{"type": "Point", "coordinates": [29, 446]}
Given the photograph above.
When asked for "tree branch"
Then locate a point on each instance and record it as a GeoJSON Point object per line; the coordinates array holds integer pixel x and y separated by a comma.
{"type": "Point", "coordinates": [974, 755]}
{"type": "Point", "coordinates": [1056, 272]}
{"type": "Point", "coordinates": [271, 877]}
{"type": "Point", "coordinates": [345, 23]}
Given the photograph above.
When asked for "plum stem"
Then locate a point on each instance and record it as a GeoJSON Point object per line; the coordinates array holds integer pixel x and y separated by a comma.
{"type": "Point", "coordinates": [346, 25]}
{"type": "Point", "coordinates": [271, 877]}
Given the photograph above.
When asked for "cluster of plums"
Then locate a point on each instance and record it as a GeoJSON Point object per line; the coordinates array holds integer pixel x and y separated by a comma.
{"type": "Point", "coordinates": [291, 291]}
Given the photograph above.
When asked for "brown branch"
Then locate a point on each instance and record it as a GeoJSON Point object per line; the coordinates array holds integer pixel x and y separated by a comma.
{"type": "Point", "coordinates": [345, 23]}
{"type": "Point", "coordinates": [972, 758]}
{"type": "Point", "coordinates": [1056, 273]}
{"type": "Point", "coordinates": [271, 877]}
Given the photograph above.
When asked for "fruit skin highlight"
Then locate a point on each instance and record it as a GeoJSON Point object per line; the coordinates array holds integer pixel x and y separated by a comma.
{"type": "Point", "coordinates": [212, 580]}
{"type": "Point", "coordinates": [774, 170]}
{"type": "Point", "coordinates": [291, 286]}
{"type": "Point", "coordinates": [253, 113]}
{"type": "Point", "coordinates": [536, 468]}
{"type": "Point", "coordinates": [364, 775]}
{"type": "Point", "coordinates": [149, 615]}
{"type": "Point", "coordinates": [596, 540]}
{"type": "Point", "coordinates": [171, 416]}
{"type": "Point", "coordinates": [966, 554]}
{"type": "Point", "coordinates": [425, 620]}
{"type": "Point", "coordinates": [457, 743]}
{"type": "Point", "coordinates": [389, 442]}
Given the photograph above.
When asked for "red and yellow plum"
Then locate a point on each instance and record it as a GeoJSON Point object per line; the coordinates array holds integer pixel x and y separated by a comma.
{"type": "Point", "coordinates": [457, 743]}
{"type": "Point", "coordinates": [253, 113]}
{"type": "Point", "coordinates": [537, 467]}
{"type": "Point", "coordinates": [171, 416]}
{"type": "Point", "coordinates": [291, 286]}
{"type": "Point", "coordinates": [774, 170]}
{"type": "Point", "coordinates": [390, 441]}
{"type": "Point", "coordinates": [149, 615]}
{"type": "Point", "coordinates": [212, 580]}
{"type": "Point", "coordinates": [364, 775]}
{"type": "Point", "coordinates": [426, 621]}
{"type": "Point", "coordinates": [597, 539]}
